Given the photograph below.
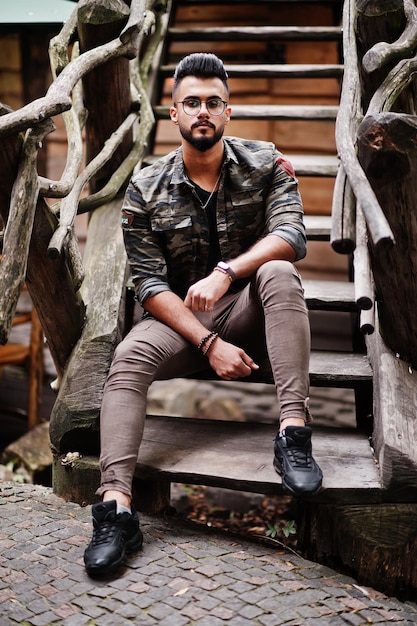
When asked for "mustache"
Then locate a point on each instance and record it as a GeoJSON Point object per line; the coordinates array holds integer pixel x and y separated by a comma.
{"type": "Point", "coordinates": [205, 123]}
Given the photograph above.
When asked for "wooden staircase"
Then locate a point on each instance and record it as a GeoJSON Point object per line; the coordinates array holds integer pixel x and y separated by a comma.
{"type": "Point", "coordinates": [250, 50]}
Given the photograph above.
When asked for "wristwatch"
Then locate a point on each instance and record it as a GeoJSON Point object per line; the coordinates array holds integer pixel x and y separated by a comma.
{"type": "Point", "coordinates": [226, 269]}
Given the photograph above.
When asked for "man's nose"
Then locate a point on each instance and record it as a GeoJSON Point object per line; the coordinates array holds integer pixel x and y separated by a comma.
{"type": "Point", "coordinates": [203, 109]}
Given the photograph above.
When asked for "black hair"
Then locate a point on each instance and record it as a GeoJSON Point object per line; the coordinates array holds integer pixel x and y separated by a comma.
{"type": "Point", "coordinates": [201, 65]}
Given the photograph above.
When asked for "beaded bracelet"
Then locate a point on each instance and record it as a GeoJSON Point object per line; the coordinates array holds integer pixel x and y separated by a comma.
{"type": "Point", "coordinates": [212, 340]}
{"type": "Point", "coordinates": [204, 339]}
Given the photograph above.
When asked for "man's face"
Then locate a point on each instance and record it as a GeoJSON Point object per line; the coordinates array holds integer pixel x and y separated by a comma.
{"type": "Point", "coordinates": [202, 129]}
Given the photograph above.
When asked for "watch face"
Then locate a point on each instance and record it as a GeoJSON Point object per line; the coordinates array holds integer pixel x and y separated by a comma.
{"type": "Point", "coordinates": [223, 265]}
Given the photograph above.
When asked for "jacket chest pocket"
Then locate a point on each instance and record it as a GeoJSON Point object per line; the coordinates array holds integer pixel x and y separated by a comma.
{"type": "Point", "coordinates": [175, 232]}
{"type": "Point", "coordinates": [247, 209]}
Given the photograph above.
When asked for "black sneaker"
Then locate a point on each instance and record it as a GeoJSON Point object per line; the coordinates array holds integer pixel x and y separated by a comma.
{"type": "Point", "coordinates": [114, 536]}
{"type": "Point", "coordinates": [294, 462]}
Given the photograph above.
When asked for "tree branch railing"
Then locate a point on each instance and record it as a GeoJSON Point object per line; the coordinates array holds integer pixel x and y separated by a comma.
{"type": "Point", "coordinates": [64, 96]}
{"type": "Point", "coordinates": [354, 199]}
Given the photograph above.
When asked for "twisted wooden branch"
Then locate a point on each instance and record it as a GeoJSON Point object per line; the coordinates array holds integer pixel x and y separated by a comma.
{"type": "Point", "coordinates": [348, 118]}
{"type": "Point", "coordinates": [57, 99]}
{"type": "Point", "coordinates": [19, 227]}
{"type": "Point", "coordinates": [74, 120]}
{"type": "Point", "coordinates": [382, 52]}
{"type": "Point", "coordinates": [69, 204]}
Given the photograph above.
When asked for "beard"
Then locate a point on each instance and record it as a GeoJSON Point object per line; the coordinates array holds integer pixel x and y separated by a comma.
{"type": "Point", "coordinates": [202, 143]}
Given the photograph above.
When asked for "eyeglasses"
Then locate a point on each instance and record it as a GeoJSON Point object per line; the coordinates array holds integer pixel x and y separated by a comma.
{"type": "Point", "coordinates": [192, 106]}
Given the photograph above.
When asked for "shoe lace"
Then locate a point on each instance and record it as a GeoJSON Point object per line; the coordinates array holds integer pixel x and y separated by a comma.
{"type": "Point", "coordinates": [103, 533]}
{"type": "Point", "coordinates": [299, 457]}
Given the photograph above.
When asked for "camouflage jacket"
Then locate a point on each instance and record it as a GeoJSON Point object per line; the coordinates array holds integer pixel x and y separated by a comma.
{"type": "Point", "coordinates": [166, 230]}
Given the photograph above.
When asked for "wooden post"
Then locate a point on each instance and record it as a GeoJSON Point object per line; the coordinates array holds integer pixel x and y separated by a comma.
{"type": "Point", "coordinates": [388, 153]}
{"type": "Point", "coordinates": [75, 417]}
{"type": "Point", "coordinates": [107, 88]}
{"type": "Point", "coordinates": [376, 543]}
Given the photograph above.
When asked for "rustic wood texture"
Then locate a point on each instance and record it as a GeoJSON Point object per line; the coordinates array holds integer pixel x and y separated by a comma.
{"type": "Point", "coordinates": [255, 33]}
{"type": "Point", "coordinates": [99, 22]}
{"type": "Point", "coordinates": [239, 456]}
{"type": "Point", "coordinates": [343, 231]}
{"type": "Point", "coordinates": [395, 427]}
{"type": "Point", "coordinates": [350, 113]}
{"type": "Point", "coordinates": [387, 150]}
{"type": "Point", "coordinates": [76, 411]}
{"type": "Point", "coordinates": [329, 295]}
{"type": "Point", "coordinates": [50, 285]}
{"type": "Point", "coordinates": [377, 22]}
{"type": "Point", "coordinates": [364, 288]}
{"type": "Point", "coordinates": [19, 227]}
{"type": "Point", "coordinates": [275, 71]}
{"type": "Point", "coordinates": [372, 542]}
{"type": "Point", "coordinates": [9, 160]}
{"type": "Point", "coordinates": [318, 227]}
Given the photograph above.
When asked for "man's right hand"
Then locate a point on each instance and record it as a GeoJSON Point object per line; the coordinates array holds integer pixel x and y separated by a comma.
{"type": "Point", "coordinates": [230, 362]}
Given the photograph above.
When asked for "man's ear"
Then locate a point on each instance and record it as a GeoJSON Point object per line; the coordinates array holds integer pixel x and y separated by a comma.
{"type": "Point", "coordinates": [228, 114]}
{"type": "Point", "coordinates": [173, 113]}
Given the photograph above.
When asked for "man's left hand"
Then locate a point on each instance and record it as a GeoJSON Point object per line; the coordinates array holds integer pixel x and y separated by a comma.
{"type": "Point", "coordinates": [203, 295]}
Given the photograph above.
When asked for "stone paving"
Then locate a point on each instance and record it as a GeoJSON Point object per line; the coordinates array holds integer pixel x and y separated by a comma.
{"type": "Point", "coordinates": [184, 575]}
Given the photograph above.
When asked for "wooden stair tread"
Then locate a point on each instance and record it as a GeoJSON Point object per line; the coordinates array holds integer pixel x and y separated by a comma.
{"type": "Point", "coordinates": [274, 70]}
{"type": "Point", "coordinates": [320, 165]}
{"type": "Point", "coordinates": [257, 33]}
{"type": "Point", "coordinates": [328, 368]}
{"type": "Point", "coordinates": [271, 112]}
{"type": "Point", "coordinates": [338, 369]}
{"type": "Point", "coordinates": [330, 295]}
{"type": "Point", "coordinates": [314, 164]}
{"type": "Point", "coordinates": [238, 455]}
{"type": "Point", "coordinates": [318, 227]}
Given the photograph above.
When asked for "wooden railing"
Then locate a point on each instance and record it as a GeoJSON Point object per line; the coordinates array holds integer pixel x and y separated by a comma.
{"type": "Point", "coordinates": [54, 268]}
{"type": "Point", "coordinates": [378, 77]}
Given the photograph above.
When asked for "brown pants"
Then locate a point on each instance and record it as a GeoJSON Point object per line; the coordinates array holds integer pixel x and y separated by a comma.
{"type": "Point", "coordinates": [268, 319]}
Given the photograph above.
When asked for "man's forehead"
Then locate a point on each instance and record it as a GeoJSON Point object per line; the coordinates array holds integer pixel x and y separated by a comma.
{"type": "Point", "coordinates": [201, 87]}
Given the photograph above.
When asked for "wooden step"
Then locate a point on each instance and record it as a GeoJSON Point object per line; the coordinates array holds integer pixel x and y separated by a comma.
{"type": "Point", "coordinates": [328, 368]}
{"type": "Point", "coordinates": [274, 71]}
{"type": "Point", "coordinates": [304, 165]}
{"type": "Point", "coordinates": [330, 295]}
{"type": "Point", "coordinates": [318, 227]}
{"type": "Point", "coordinates": [257, 33]}
{"type": "Point", "coordinates": [320, 165]}
{"type": "Point", "coordinates": [271, 112]}
{"type": "Point", "coordinates": [238, 455]}
{"type": "Point", "coordinates": [339, 369]}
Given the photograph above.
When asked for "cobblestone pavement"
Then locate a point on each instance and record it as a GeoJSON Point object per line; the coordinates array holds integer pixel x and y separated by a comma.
{"type": "Point", "coordinates": [184, 575]}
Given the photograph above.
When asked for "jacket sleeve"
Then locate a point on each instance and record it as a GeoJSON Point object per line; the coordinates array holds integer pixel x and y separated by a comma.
{"type": "Point", "coordinates": [284, 208]}
{"type": "Point", "coordinates": [147, 263]}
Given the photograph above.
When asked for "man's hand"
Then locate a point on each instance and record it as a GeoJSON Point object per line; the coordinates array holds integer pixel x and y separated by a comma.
{"type": "Point", "coordinates": [230, 362]}
{"type": "Point", "coordinates": [204, 294]}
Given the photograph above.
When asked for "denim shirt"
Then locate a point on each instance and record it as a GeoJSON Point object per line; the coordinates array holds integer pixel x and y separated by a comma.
{"type": "Point", "coordinates": [165, 228]}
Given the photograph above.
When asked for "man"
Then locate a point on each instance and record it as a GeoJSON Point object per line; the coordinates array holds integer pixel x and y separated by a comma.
{"type": "Point", "coordinates": [211, 232]}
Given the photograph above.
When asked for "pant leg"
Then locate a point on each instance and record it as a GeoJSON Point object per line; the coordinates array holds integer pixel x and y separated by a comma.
{"type": "Point", "coordinates": [269, 314]}
{"type": "Point", "coordinates": [271, 310]}
{"type": "Point", "coordinates": [135, 365]}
